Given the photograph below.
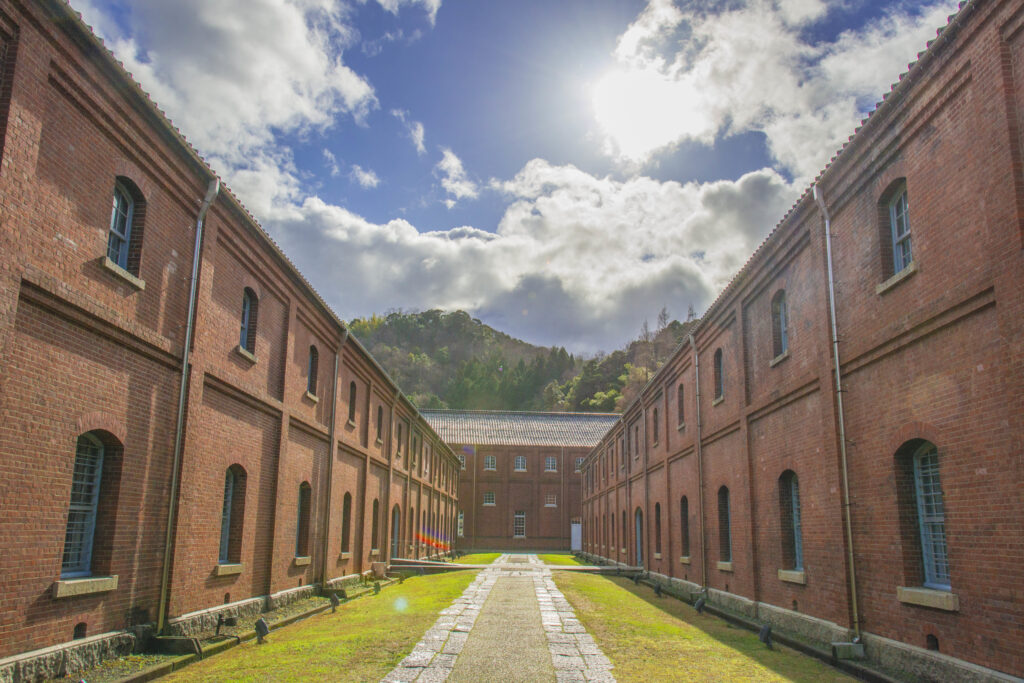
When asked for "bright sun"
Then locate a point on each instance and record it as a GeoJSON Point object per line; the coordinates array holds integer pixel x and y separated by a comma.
{"type": "Point", "coordinates": [643, 110]}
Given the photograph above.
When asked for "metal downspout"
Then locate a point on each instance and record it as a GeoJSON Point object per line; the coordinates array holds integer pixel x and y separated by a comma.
{"type": "Point", "coordinates": [211, 194]}
{"type": "Point", "coordinates": [700, 470]}
{"type": "Point", "coordinates": [331, 454]}
{"type": "Point", "coordinates": [839, 407]}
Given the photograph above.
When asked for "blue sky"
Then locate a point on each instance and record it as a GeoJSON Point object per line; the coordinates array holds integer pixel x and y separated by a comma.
{"type": "Point", "coordinates": [561, 170]}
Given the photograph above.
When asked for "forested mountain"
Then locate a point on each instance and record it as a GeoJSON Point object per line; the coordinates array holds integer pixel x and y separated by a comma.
{"type": "Point", "coordinates": [450, 360]}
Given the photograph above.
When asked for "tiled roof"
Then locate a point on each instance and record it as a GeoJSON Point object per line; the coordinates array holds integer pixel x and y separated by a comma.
{"type": "Point", "coordinates": [509, 428]}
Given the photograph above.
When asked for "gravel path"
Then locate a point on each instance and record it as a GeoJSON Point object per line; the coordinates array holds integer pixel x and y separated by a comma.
{"type": "Point", "coordinates": [511, 624]}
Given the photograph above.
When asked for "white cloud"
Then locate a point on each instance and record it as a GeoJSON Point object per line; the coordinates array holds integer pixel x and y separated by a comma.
{"type": "Point", "coordinates": [429, 6]}
{"type": "Point", "coordinates": [365, 178]}
{"type": "Point", "coordinates": [577, 259]}
{"type": "Point", "coordinates": [234, 74]}
{"type": "Point", "coordinates": [414, 129]}
{"type": "Point", "coordinates": [454, 179]}
{"type": "Point", "coordinates": [693, 74]}
{"type": "Point", "coordinates": [331, 162]}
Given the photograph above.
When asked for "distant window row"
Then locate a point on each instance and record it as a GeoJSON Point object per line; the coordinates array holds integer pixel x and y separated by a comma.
{"type": "Point", "coordinates": [920, 500]}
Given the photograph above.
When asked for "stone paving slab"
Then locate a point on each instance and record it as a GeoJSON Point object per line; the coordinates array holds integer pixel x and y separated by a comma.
{"type": "Point", "coordinates": [476, 641]}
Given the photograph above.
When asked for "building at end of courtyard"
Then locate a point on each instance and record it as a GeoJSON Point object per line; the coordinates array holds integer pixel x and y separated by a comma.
{"type": "Point", "coordinates": [520, 485]}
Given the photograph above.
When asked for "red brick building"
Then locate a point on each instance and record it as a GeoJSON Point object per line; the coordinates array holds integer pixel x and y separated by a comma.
{"type": "Point", "coordinates": [520, 484]}
{"type": "Point", "coordinates": [734, 471]}
{"type": "Point", "coordinates": [294, 460]}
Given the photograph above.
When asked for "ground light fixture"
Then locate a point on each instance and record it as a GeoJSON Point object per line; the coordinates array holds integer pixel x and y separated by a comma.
{"type": "Point", "coordinates": [334, 602]}
{"type": "Point", "coordinates": [765, 636]}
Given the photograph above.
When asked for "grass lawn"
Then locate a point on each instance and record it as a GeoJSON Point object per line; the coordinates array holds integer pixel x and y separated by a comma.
{"type": "Point", "coordinates": [662, 639]}
{"type": "Point", "coordinates": [363, 641]}
{"type": "Point", "coordinates": [478, 558]}
{"type": "Point", "coordinates": [559, 558]}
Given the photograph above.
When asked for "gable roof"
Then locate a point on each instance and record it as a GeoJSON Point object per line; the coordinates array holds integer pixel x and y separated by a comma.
{"type": "Point", "coordinates": [511, 428]}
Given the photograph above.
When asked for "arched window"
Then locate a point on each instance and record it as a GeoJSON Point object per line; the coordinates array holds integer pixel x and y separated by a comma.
{"type": "Point", "coordinates": [346, 523]}
{"type": "Point", "coordinates": [724, 535]}
{"type": "Point", "coordinates": [375, 526]}
{"type": "Point", "coordinates": [85, 493]}
{"type": "Point", "coordinates": [922, 505]}
{"type": "Point", "coordinates": [352, 402]}
{"type": "Point", "coordinates": [684, 527]}
{"type": "Point", "coordinates": [638, 519]}
{"type": "Point", "coordinates": [780, 322]}
{"type": "Point", "coordinates": [232, 516]}
{"type": "Point", "coordinates": [789, 515]}
{"type": "Point", "coordinates": [311, 376]}
{"type": "Point", "coordinates": [625, 530]}
{"type": "Point", "coordinates": [719, 375]}
{"type": "Point", "coordinates": [654, 430]}
{"type": "Point", "coordinates": [657, 528]}
{"type": "Point", "coordinates": [681, 404]}
{"type": "Point", "coordinates": [302, 525]}
{"type": "Point", "coordinates": [250, 310]}
{"type": "Point", "coordinates": [899, 228]}
{"type": "Point", "coordinates": [124, 239]}
{"type": "Point", "coordinates": [380, 423]}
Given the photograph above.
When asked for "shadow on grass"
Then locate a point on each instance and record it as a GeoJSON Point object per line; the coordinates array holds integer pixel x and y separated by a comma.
{"type": "Point", "coordinates": [662, 638]}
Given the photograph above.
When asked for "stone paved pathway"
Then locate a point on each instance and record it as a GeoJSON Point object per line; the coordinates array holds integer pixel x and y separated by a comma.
{"type": "Point", "coordinates": [505, 644]}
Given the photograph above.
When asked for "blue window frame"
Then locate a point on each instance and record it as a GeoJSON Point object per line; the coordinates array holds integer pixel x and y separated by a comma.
{"type": "Point", "coordinates": [247, 333]}
{"type": "Point", "coordinates": [780, 321]}
{"type": "Point", "coordinates": [792, 535]}
{"type": "Point", "coordinates": [724, 520]}
{"type": "Point", "coordinates": [85, 492]}
{"type": "Point", "coordinates": [931, 517]}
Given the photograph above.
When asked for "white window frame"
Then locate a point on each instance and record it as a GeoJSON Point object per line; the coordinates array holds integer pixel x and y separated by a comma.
{"type": "Point", "coordinates": [519, 464]}
{"type": "Point", "coordinates": [931, 518]}
{"type": "Point", "coordinates": [460, 528]}
{"type": "Point", "coordinates": [551, 500]}
{"type": "Point", "coordinates": [489, 498]}
{"type": "Point", "coordinates": [86, 479]}
{"type": "Point", "coordinates": [550, 464]}
{"type": "Point", "coordinates": [899, 229]}
{"type": "Point", "coordinates": [519, 524]}
{"type": "Point", "coordinates": [579, 464]}
{"type": "Point", "coordinates": [462, 462]}
{"type": "Point", "coordinates": [119, 235]}
{"type": "Point", "coordinates": [490, 463]}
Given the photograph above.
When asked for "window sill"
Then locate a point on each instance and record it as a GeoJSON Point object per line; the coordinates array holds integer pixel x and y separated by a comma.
{"type": "Point", "coordinates": [681, 427]}
{"type": "Point", "coordinates": [725, 566]}
{"type": "Point", "coordinates": [69, 588]}
{"type": "Point", "coordinates": [117, 270]}
{"type": "Point", "coordinates": [303, 561]}
{"type": "Point", "coordinates": [547, 505]}
{"type": "Point", "coordinates": [623, 551]}
{"type": "Point", "coordinates": [312, 397]}
{"type": "Point", "coordinates": [899, 277]}
{"type": "Point", "coordinates": [778, 359]}
{"type": "Point", "coordinates": [378, 441]}
{"type": "Point", "coordinates": [490, 469]}
{"type": "Point", "coordinates": [685, 559]}
{"type": "Point", "coordinates": [657, 556]}
{"type": "Point", "coordinates": [793, 576]}
{"type": "Point", "coordinates": [345, 556]}
{"type": "Point", "coordinates": [717, 401]}
{"type": "Point", "coordinates": [518, 470]}
{"type": "Point", "coordinates": [928, 597]}
{"type": "Point", "coordinates": [519, 537]}
{"type": "Point", "coordinates": [351, 423]}
{"type": "Point", "coordinates": [374, 552]}
{"type": "Point", "coordinates": [551, 471]}
{"type": "Point", "coordinates": [228, 569]}
{"type": "Point", "coordinates": [246, 354]}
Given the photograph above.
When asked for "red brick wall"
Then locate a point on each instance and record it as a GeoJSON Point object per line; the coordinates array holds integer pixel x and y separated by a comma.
{"type": "Point", "coordinates": [82, 349]}
{"type": "Point", "coordinates": [487, 527]}
{"type": "Point", "coordinates": [937, 355]}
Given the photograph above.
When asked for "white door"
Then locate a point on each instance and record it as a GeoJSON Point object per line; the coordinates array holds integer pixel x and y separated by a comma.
{"type": "Point", "coordinates": [576, 536]}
